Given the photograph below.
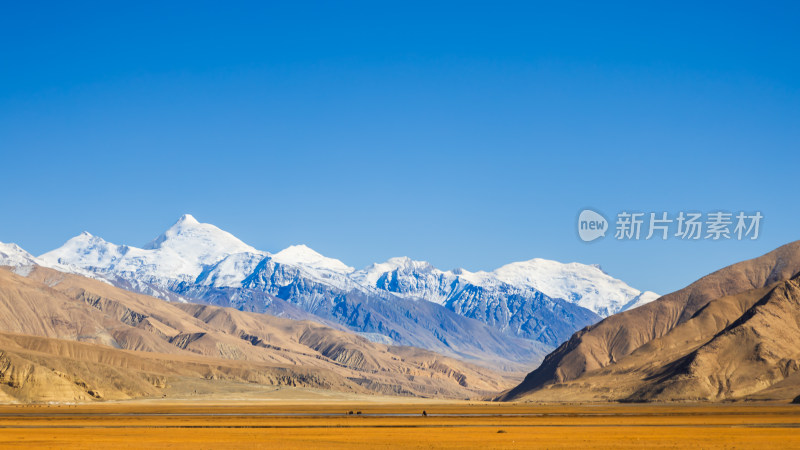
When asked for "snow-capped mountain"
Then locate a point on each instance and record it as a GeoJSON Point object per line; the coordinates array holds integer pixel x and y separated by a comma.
{"type": "Point", "coordinates": [407, 278]}
{"type": "Point", "coordinates": [178, 255]}
{"type": "Point", "coordinates": [199, 244]}
{"type": "Point", "coordinates": [301, 255]}
{"type": "Point", "coordinates": [14, 256]}
{"type": "Point", "coordinates": [537, 300]}
{"type": "Point", "coordinates": [584, 285]}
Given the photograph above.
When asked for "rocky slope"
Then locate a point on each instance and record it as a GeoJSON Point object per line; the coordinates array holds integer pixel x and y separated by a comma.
{"type": "Point", "coordinates": [65, 337]}
{"type": "Point", "coordinates": [732, 334]}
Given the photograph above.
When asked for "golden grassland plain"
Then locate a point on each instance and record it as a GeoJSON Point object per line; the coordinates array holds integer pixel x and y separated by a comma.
{"type": "Point", "coordinates": [389, 423]}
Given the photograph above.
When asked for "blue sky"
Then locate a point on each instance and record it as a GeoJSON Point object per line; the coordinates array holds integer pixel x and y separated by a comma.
{"type": "Point", "coordinates": [466, 134]}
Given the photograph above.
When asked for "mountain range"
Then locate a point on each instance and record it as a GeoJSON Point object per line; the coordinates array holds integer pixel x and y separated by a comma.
{"type": "Point", "coordinates": [508, 318]}
{"type": "Point", "coordinates": [75, 325]}
{"type": "Point", "coordinates": [65, 337]}
{"type": "Point", "coordinates": [733, 334]}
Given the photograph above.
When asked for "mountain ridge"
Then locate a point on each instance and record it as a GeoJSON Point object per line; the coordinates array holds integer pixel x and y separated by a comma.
{"type": "Point", "coordinates": [303, 255]}
{"type": "Point", "coordinates": [52, 324]}
{"type": "Point", "coordinates": [637, 355]}
{"type": "Point", "coordinates": [197, 262]}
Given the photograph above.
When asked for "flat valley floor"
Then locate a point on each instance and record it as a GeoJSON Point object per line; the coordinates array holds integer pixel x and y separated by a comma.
{"type": "Point", "coordinates": [392, 423]}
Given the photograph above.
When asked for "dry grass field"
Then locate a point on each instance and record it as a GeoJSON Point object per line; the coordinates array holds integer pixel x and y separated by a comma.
{"type": "Point", "coordinates": [394, 423]}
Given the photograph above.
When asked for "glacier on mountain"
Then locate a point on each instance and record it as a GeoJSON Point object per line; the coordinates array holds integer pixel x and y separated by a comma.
{"type": "Point", "coordinates": [536, 300]}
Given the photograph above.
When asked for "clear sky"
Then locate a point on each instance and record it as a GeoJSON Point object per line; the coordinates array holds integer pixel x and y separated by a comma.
{"type": "Point", "coordinates": [466, 134]}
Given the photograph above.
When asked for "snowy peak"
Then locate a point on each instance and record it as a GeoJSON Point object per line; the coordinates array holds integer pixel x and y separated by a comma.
{"type": "Point", "coordinates": [406, 263]}
{"type": "Point", "coordinates": [188, 219]}
{"type": "Point", "coordinates": [84, 250]}
{"type": "Point", "coordinates": [13, 255]}
{"type": "Point", "coordinates": [201, 243]}
{"type": "Point", "coordinates": [302, 255]}
{"type": "Point", "coordinates": [585, 285]}
{"type": "Point", "coordinates": [369, 275]}
{"type": "Point", "coordinates": [534, 271]}
{"type": "Point", "coordinates": [180, 254]}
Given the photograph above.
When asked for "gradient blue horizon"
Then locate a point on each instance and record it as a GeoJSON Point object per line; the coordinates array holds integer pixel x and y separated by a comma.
{"type": "Point", "coordinates": [465, 134]}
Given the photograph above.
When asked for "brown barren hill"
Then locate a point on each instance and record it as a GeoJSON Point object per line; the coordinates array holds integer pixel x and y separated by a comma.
{"type": "Point", "coordinates": [611, 340]}
{"type": "Point", "coordinates": [760, 349]}
{"type": "Point", "coordinates": [37, 369]}
{"type": "Point", "coordinates": [134, 339]}
{"type": "Point", "coordinates": [745, 346]}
